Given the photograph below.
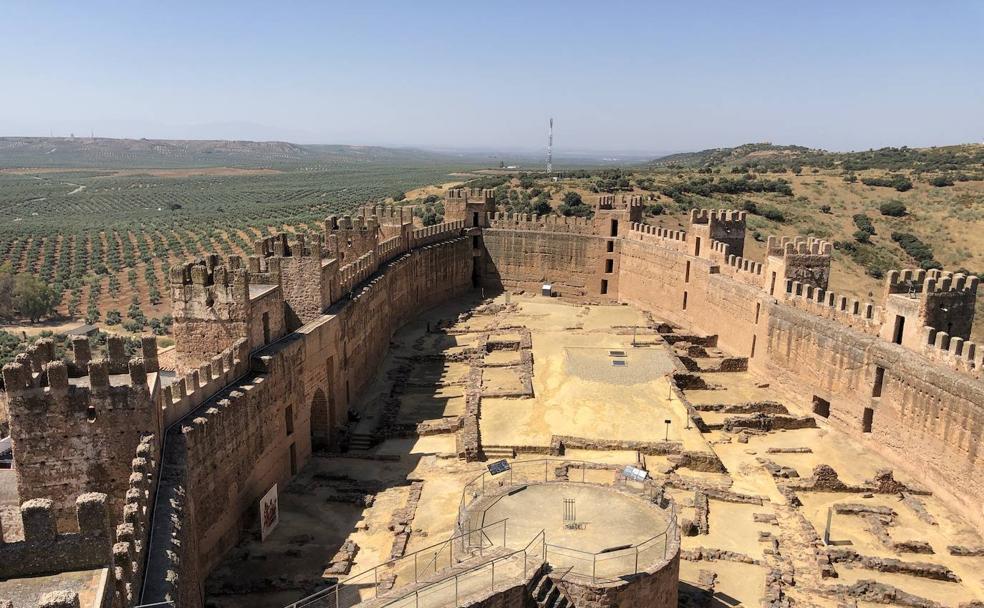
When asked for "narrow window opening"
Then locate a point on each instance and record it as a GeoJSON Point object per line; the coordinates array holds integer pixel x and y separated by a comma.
{"type": "Point", "coordinates": [753, 347]}
{"type": "Point", "coordinates": [772, 285]}
{"type": "Point", "coordinates": [876, 390]}
{"type": "Point", "coordinates": [867, 419]}
{"type": "Point", "coordinates": [609, 266]}
{"type": "Point", "coordinates": [899, 329]}
{"type": "Point", "coordinates": [90, 413]}
{"type": "Point", "coordinates": [685, 300]}
{"type": "Point", "coordinates": [475, 218]}
{"type": "Point", "coordinates": [266, 328]}
{"type": "Point", "coordinates": [604, 286]}
{"type": "Point", "coordinates": [611, 246]}
{"type": "Point", "coordinates": [614, 227]}
{"type": "Point", "coordinates": [293, 459]}
{"type": "Point", "coordinates": [289, 419]}
{"type": "Point", "coordinates": [697, 246]}
{"type": "Point", "coordinates": [758, 309]}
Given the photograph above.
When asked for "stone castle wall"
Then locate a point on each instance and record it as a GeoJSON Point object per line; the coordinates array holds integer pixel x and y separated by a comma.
{"type": "Point", "coordinates": [779, 314]}
{"type": "Point", "coordinates": [76, 425]}
{"type": "Point", "coordinates": [236, 445]}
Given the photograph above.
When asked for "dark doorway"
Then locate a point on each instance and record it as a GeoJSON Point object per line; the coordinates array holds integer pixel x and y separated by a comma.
{"type": "Point", "coordinates": [293, 459]}
{"type": "Point", "coordinates": [697, 246]}
{"type": "Point", "coordinates": [614, 227]}
{"type": "Point", "coordinates": [474, 218]}
{"type": "Point", "coordinates": [821, 407]}
{"type": "Point", "coordinates": [604, 286]}
{"type": "Point", "coordinates": [609, 266]}
{"type": "Point", "coordinates": [866, 419]}
{"type": "Point", "coordinates": [266, 328]}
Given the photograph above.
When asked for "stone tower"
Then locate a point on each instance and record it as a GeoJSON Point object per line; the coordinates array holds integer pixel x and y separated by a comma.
{"type": "Point", "coordinates": [75, 425]}
{"type": "Point", "coordinates": [914, 299]}
{"type": "Point", "coordinates": [804, 260]}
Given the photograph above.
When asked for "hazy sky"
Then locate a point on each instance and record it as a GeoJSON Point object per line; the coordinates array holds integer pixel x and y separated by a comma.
{"type": "Point", "coordinates": [628, 76]}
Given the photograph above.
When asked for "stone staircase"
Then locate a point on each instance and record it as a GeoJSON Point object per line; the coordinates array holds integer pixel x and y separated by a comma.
{"type": "Point", "coordinates": [497, 452]}
{"type": "Point", "coordinates": [547, 594]}
{"type": "Point", "coordinates": [360, 441]}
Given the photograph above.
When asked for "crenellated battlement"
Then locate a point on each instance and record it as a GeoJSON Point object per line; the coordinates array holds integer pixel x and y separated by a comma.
{"type": "Point", "coordinates": [717, 216]}
{"type": "Point", "coordinates": [482, 195]}
{"type": "Point", "coordinates": [798, 245]}
{"type": "Point", "coordinates": [389, 215]}
{"type": "Point", "coordinates": [132, 535]}
{"type": "Point", "coordinates": [540, 223]}
{"type": "Point", "coordinates": [962, 355]}
{"type": "Point", "coordinates": [862, 316]}
{"type": "Point", "coordinates": [645, 232]}
{"type": "Point", "coordinates": [36, 372]}
{"type": "Point", "coordinates": [917, 281]}
{"type": "Point", "coordinates": [437, 232]}
{"type": "Point", "coordinates": [210, 282]}
{"type": "Point", "coordinates": [281, 246]}
{"type": "Point", "coordinates": [195, 387]}
{"type": "Point", "coordinates": [722, 226]}
{"type": "Point", "coordinates": [45, 550]}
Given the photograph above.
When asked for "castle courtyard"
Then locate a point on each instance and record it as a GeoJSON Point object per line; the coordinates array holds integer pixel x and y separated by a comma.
{"type": "Point", "coordinates": [594, 388]}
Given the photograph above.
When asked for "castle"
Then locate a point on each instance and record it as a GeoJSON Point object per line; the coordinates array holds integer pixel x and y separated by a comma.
{"type": "Point", "coordinates": [271, 351]}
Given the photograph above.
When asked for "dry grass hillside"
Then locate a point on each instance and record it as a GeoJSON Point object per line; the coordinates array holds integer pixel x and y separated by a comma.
{"type": "Point", "coordinates": [946, 219]}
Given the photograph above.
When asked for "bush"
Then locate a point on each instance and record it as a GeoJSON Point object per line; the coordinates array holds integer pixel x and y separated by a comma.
{"type": "Point", "coordinates": [113, 317]}
{"type": "Point", "coordinates": [941, 181]}
{"type": "Point", "coordinates": [655, 209]}
{"type": "Point", "coordinates": [893, 208]}
{"type": "Point", "coordinates": [918, 250]}
{"type": "Point", "coordinates": [863, 222]}
{"type": "Point", "coordinates": [399, 196]}
{"type": "Point", "coordinates": [862, 236]}
{"type": "Point", "coordinates": [825, 209]}
{"type": "Point", "coordinates": [430, 199]}
{"type": "Point", "coordinates": [771, 213]}
{"type": "Point", "coordinates": [899, 182]}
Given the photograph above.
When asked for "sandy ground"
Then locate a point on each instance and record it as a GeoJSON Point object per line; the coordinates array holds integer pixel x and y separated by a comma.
{"type": "Point", "coordinates": [576, 392]}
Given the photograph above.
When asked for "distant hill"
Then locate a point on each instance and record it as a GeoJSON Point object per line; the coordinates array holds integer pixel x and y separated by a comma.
{"type": "Point", "coordinates": [101, 152]}
{"type": "Point", "coordinates": [767, 156]}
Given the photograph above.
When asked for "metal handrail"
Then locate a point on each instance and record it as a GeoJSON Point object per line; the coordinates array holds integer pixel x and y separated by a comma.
{"type": "Point", "coordinates": [338, 585]}
{"type": "Point", "coordinates": [525, 551]}
{"type": "Point", "coordinates": [573, 553]}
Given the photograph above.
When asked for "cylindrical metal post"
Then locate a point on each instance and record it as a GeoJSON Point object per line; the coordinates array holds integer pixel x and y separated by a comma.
{"type": "Point", "coordinates": [493, 576]}
{"type": "Point", "coordinates": [594, 567]}
{"type": "Point", "coordinates": [415, 567]}
{"type": "Point", "coordinates": [636, 569]}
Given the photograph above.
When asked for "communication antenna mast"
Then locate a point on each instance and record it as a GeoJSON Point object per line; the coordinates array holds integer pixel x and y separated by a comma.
{"type": "Point", "coordinates": [550, 148]}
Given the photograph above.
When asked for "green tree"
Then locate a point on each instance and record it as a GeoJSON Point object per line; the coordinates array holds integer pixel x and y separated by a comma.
{"type": "Point", "coordinates": [574, 206]}
{"type": "Point", "coordinates": [33, 298]}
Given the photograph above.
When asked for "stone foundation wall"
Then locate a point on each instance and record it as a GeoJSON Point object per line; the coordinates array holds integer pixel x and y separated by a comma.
{"type": "Point", "coordinates": [928, 419]}
{"type": "Point", "coordinates": [652, 589]}
{"type": "Point", "coordinates": [573, 263]}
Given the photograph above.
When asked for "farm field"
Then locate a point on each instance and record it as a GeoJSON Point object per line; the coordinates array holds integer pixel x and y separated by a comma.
{"type": "Point", "coordinates": [104, 238]}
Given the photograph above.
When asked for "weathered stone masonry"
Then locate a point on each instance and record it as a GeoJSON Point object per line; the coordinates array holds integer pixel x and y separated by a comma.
{"type": "Point", "coordinates": [272, 350]}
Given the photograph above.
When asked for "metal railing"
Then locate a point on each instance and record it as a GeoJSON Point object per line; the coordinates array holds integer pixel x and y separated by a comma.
{"type": "Point", "coordinates": [597, 567]}
{"type": "Point", "coordinates": [449, 590]}
{"type": "Point", "coordinates": [409, 569]}
{"type": "Point", "coordinates": [538, 471]}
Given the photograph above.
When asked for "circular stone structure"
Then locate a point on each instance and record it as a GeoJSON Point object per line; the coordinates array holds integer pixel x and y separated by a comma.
{"type": "Point", "coordinates": [614, 545]}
